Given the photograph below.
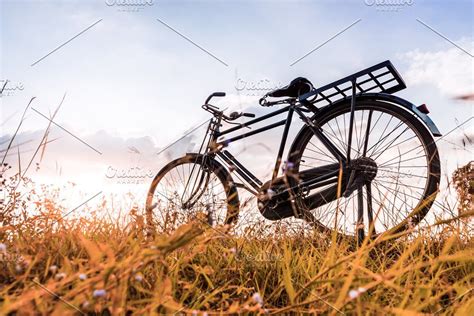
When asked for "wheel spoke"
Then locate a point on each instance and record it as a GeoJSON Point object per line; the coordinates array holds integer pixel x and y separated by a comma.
{"type": "Point", "coordinates": [405, 160]}
{"type": "Point", "coordinates": [400, 155]}
{"type": "Point", "coordinates": [381, 151]}
{"type": "Point", "coordinates": [317, 150]}
{"type": "Point", "coordinates": [383, 133]}
{"type": "Point", "coordinates": [381, 141]}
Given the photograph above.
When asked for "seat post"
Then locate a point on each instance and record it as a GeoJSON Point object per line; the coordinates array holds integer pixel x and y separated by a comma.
{"type": "Point", "coordinates": [283, 141]}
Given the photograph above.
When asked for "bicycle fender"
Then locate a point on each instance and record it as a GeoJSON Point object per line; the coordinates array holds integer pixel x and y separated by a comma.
{"type": "Point", "coordinates": [405, 104]}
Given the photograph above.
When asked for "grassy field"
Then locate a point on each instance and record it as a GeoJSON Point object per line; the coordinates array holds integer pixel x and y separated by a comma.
{"type": "Point", "coordinates": [86, 266]}
{"type": "Point", "coordinates": [54, 265]}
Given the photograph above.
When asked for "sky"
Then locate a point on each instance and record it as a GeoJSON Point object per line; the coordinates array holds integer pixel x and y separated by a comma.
{"type": "Point", "coordinates": [134, 77]}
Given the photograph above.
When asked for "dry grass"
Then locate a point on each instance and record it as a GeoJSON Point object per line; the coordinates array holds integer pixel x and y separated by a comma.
{"type": "Point", "coordinates": [54, 266]}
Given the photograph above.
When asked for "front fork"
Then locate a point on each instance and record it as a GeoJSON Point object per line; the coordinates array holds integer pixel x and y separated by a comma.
{"type": "Point", "coordinates": [197, 189]}
{"type": "Point", "coordinates": [199, 185]}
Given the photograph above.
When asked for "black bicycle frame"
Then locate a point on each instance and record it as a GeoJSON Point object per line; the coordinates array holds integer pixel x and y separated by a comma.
{"type": "Point", "coordinates": [380, 78]}
{"type": "Point", "coordinates": [246, 174]}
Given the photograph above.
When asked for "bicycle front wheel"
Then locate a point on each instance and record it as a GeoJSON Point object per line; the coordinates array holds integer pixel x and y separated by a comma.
{"type": "Point", "coordinates": [189, 186]}
{"type": "Point", "coordinates": [404, 160]}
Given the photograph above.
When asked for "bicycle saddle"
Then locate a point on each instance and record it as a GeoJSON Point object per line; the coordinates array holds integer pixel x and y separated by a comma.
{"type": "Point", "coordinates": [297, 87]}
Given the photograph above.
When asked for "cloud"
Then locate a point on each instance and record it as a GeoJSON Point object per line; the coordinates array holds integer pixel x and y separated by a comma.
{"type": "Point", "coordinates": [67, 158]}
{"type": "Point", "coordinates": [450, 71]}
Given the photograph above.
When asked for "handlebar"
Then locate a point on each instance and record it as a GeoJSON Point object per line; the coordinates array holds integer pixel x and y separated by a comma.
{"type": "Point", "coordinates": [231, 117]}
{"type": "Point", "coordinates": [214, 110]}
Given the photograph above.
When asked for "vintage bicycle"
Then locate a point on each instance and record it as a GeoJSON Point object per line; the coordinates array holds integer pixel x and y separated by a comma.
{"type": "Point", "coordinates": [364, 162]}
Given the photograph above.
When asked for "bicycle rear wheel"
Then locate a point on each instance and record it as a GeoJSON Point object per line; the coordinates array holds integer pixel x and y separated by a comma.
{"type": "Point", "coordinates": [397, 145]}
{"type": "Point", "coordinates": [188, 186]}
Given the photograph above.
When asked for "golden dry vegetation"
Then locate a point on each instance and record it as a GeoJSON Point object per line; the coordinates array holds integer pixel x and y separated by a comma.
{"type": "Point", "coordinates": [51, 265]}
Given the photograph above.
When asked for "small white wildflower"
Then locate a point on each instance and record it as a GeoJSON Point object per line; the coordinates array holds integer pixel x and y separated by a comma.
{"type": "Point", "coordinates": [353, 294]}
{"type": "Point", "coordinates": [233, 250]}
{"type": "Point", "coordinates": [85, 304]}
{"type": "Point", "coordinates": [99, 293]}
{"type": "Point", "coordinates": [3, 247]}
{"type": "Point", "coordinates": [18, 268]}
{"type": "Point", "coordinates": [60, 276]}
{"type": "Point", "coordinates": [257, 298]}
{"type": "Point", "coordinates": [82, 276]}
{"type": "Point", "coordinates": [139, 277]}
{"type": "Point", "coordinates": [361, 290]}
{"type": "Point", "coordinates": [53, 268]}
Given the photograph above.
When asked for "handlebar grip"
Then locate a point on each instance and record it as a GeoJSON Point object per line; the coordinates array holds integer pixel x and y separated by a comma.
{"type": "Point", "coordinates": [215, 94]}
{"type": "Point", "coordinates": [248, 114]}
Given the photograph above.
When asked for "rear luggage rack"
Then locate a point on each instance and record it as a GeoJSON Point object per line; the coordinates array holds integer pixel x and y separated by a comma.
{"type": "Point", "coordinates": [382, 77]}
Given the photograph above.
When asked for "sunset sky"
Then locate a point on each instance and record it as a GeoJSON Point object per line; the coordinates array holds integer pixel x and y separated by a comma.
{"type": "Point", "coordinates": [132, 85]}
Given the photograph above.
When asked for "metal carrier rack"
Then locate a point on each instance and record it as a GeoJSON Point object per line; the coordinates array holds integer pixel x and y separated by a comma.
{"type": "Point", "coordinates": [382, 77]}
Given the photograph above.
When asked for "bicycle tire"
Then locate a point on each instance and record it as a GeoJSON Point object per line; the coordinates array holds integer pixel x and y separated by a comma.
{"type": "Point", "coordinates": [210, 165]}
{"type": "Point", "coordinates": [429, 146]}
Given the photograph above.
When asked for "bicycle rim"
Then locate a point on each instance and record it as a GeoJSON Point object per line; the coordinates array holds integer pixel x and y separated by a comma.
{"type": "Point", "coordinates": [407, 161]}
